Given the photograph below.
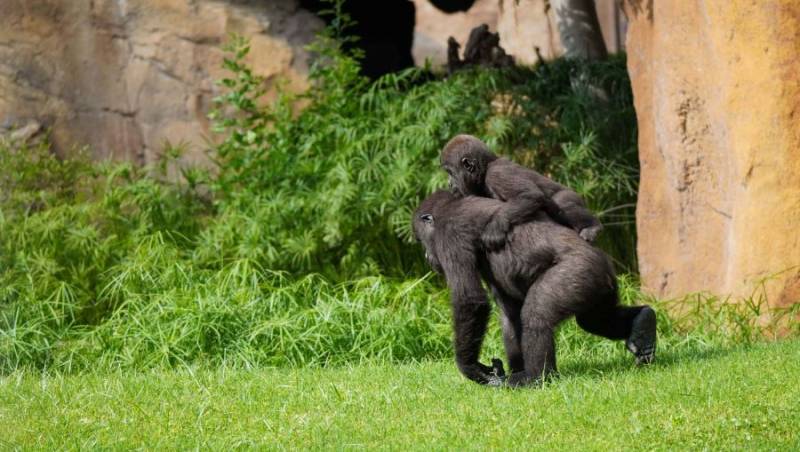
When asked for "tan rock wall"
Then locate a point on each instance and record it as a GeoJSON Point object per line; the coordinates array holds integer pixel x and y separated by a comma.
{"type": "Point", "coordinates": [123, 76]}
{"type": "Point", "coordinates": [526, 24]}
{"type": "Point", "coordinates": [717, 94]}
{"type": "Point", "coordinates": [522, 25]}
{"type": "Point", "coordinates": [433, 27]}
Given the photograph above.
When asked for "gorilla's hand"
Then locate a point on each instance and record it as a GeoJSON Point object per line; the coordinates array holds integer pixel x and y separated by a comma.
{"type": "Point", "coordinates": [497, 367]}
{"type": "Point", "coordinates": [497, 375]}
{"type": "Point", "coordinates": [590, 234]}
{"type": "Point", "coordinates": [494, 235]}
{"type": "Point", "coordinates": [485, 375]}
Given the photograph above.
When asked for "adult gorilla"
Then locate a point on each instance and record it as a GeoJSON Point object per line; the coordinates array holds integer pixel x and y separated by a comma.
{"type": "Point", "coordinates": [545, 274]}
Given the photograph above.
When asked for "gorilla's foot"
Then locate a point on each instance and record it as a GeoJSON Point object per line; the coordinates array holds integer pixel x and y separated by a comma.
{"type": "Point", "coordinates": [642, 342]}
{"type": "Point", "coordinates": [520, 379]}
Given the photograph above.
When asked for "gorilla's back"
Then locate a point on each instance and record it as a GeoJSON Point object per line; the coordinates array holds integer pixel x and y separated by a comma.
{"type": "Point", "coordinates": [534, 247]}
{"type": "Point", "coordinates": [516, 171]}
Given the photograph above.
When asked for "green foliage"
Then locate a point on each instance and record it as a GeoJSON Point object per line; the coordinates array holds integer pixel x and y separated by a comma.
{"type": "Point", "coordinates": [107, 265]}
{"type": "Point", "coordinates": [301, 232]}
{"type": "Point", "coordinates": [333, 185]}
{"type": "Point", "coordinates": [173, 314]}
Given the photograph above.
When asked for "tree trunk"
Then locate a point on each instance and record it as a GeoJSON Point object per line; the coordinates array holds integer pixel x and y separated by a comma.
{"type": "Point", "coordinates": [579, 29]}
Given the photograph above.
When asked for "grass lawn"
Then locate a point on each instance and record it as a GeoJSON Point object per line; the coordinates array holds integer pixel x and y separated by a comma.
{"type": "Point", "coordinates": [740, 398]}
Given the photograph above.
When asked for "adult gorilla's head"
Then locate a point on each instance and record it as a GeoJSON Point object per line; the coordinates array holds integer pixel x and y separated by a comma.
{"type": "Point", "coordinates": [424, 221]}
{"type": "Point", "coordinates": [466, 159]}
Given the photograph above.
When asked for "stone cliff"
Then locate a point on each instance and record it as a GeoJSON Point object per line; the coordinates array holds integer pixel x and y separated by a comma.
{"type": "Point", "coordinates": [717, 95]}
{"type": "Point", "coordinates": [123, 76]}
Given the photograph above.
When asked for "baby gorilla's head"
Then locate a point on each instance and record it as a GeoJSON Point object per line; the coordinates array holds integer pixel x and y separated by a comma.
{"type": "Point", "coordinates": [465, 159]}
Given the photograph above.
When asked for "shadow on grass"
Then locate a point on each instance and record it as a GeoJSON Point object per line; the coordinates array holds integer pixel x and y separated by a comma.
{"type": "Point", "coordinates": [597, 367]}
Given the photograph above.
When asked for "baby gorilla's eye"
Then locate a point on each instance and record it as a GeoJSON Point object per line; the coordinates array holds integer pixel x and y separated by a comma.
{"type": "Point", "coordinates": [426, 217]}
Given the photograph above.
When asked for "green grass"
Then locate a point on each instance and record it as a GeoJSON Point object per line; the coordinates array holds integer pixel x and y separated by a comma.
{"type": "Point", "coordinates": [278, 301]}
{"type": "Point", "coordinates": [695, 398]}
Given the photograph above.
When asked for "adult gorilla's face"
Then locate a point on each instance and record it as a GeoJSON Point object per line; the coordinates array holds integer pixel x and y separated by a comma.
{"type": "Point", "coordinates": [424, 225]}
{"type": "Point", "coordinates": [423, 231]}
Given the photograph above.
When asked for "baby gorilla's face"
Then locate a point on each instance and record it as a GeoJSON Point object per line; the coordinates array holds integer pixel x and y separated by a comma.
{"type": "Point", "coordinates": [465, 159]}
{"type": "Point", "coordinates": [462, 177]}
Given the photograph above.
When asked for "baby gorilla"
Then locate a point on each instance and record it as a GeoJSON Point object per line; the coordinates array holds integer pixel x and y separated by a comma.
{"type": "Point", "coordinates": [545, 274]}
{"type": "Point", "coordinates": [475, 170]}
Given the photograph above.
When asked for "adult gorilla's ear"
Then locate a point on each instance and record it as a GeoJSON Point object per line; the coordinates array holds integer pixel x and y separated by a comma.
{"type": "Point", "coordinates": [468, 164]}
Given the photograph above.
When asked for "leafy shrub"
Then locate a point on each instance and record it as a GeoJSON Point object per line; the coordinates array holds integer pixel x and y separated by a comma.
{"type": "Point", "coordinates": [302, 229]}
{"type": "Point", "coordinates": [108, 266]}
{"type": "Point", "coordinates": [99, 266]}
{"type": "Point", "coordinates": [333, 186]}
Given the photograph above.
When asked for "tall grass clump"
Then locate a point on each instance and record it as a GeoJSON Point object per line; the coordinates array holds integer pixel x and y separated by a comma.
{"type": "Point", "coordinates": [101, 267]}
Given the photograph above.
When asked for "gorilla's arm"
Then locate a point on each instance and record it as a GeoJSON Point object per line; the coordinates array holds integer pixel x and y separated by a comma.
{"type": "Point", "coordinates": [573, 211]}
{"type": "Point", "coordinates": [471, 311]}
{"type": "Point", "coordinates": [523, 199]}
{"type": "Point", "coordinates": [577, 215]}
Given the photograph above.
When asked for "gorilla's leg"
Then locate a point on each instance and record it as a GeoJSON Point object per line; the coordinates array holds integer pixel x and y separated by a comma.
{"type": "Point", "coordinates": [608, 319]}
{"type": "Point", "coordinates": [642, 341]}
{"type": "Point", "coordinates": [512, 329]}
{"type": "Point", "coordinates": [540, 315]}
{"type": "Point", "coordinates": [635, 324]}
{"type": "Point", "coordinates": [538, 349]}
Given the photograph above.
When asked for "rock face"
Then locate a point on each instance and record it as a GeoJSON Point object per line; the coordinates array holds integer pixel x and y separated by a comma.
{"type": "Point", "coordinates": [123, 76]}
{"type": "Point", "coordinates": [526, 24]}
{"type": "Point", "coordinates": [523, 25]}
{"type": "Point", "coordinates": [717, 96]}
{"type": "Point", "coordinates": [433, 27]}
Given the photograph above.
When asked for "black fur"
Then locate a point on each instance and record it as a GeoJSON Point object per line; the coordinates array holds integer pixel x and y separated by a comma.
{"type": "Point", "coordinates": [545, 274]}
{"type": "Point", "coordinates": [475, 170]}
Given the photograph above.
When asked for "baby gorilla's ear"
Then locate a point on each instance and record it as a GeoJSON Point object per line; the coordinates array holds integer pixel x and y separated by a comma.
{"type": "Point", "coordinates": [468, 164]}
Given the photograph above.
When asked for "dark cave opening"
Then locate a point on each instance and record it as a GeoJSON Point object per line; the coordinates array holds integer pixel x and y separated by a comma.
{"type": "Point", "coordinates": [384, 28]}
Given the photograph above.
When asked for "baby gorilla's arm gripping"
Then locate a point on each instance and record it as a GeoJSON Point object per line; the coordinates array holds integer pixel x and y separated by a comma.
{"type": "Point", "coordinates": [576, 214]}
{"type": "Point", "coordinates": [518, 210]}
